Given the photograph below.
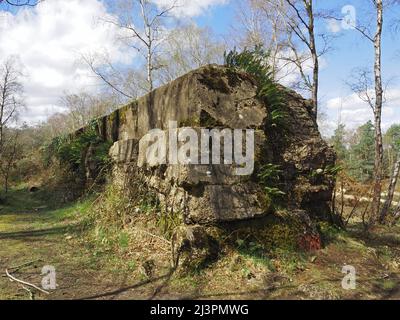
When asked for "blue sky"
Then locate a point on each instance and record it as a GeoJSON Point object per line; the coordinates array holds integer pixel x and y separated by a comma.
{"type": "Point", "coordinates": [349, 51]}
{"type": "Point", "coordinates": [34, 38]}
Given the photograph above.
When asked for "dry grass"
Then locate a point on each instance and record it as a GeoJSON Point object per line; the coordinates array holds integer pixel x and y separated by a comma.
{"type": "Point", "coordinates": [116, 249]}
{"type": "Point", "coordinates": [263, 265]}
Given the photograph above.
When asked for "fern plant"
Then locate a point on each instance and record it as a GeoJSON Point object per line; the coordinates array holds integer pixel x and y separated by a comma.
{"type": "Point", "coordinates": [277, 118]}
{"type": "Point", "coordinates": [69, 149]}
{"type": "Point", "coordinates": [269, 172]}
{"type": "Point", "coordinates": [255, 63]}
{"type": "Point", "coordinates": [268, 177]}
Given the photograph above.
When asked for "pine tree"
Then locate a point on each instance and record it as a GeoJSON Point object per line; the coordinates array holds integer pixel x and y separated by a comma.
{"type": "Point", "coordinates": [391, 141]}
{"type": "Point", "coordinates": [338, 142]}
{"type": "Point", "coordinates": [361, 155]}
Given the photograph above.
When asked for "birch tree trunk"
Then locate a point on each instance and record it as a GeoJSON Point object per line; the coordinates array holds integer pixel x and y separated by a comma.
{"type": "Point", "coordinates": [314, 55]}
{"type": "Point", "coordinates": [150, 63]}
{"type": "Point", "coordinates": [392, 187]}
{"type": "Point", "coordinates": [378, 114]}
{"type": "Point", "coordinates": [396, 215]}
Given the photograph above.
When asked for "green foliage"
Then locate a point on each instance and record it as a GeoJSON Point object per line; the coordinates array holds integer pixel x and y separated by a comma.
{"type": "Point", "coordinates": [269, 242]}
{"type": "Point", "coordinates": [333, 170]}
{"type": "Point", "coordinates": [338, 142]}
{"type": "Point", "coordinates": [101, 155]}
{"type": "Point", "coordinates": [69, 149]}
{"type": "Point", "coordinates": [282, 236]}
{"type": "Point", "coordinates": [123, 240]}
{"type": "Point", "coordinates": [112, 212]}
{"type": "Point", "coordinates": [360, 161]}
{"type": "Point", "coordinates": [132, 265]}
{"type": "Point", "coordinates": [277, 118]}
{"type": "Point", "coordinates": [391, 141]}
{"type": "Point", "coordinates": [250, 61]}
{"type": "Point", "coordinates": [254, 250]}
{"type": "Point", "coordinates": [328, 231]}
{"type": "Point", "coordinates": [392, 137]}
{"type": "Point", "coordinates": [389, 285]}
{"type": "Point", "coordinates": [356, 152]}
{"type": "Point", "coordinates": [168, 222]}
{"type": "Point", "coordinates": [268, 177]}
{"type": "Point", "coordinates": [148, 203]}
{"type": "Point", "coordinates": [273, 192]}
{"type": "Point", "coordinates": [269, 172]}
{"type": "Point", "coordinates": [255, 63]}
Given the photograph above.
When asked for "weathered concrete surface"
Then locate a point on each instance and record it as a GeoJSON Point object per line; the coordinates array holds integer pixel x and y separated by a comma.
{"type": "Point", "coordinates": [202, 193]}
{"type": "Point", "coordinates": [196, 100]}
{"type": "Point", "coordinates": [213, 96]}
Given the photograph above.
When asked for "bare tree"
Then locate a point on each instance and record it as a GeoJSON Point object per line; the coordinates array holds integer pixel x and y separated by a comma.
{"type": "Point", "coordinates": [11, 91]}
{"type": "Point", "coordinates": [81, 108]}
{"type": "Point", "coordinates": [292, 40]}
{"type": "Point", "coordinates": [302, 26]}
{"type": "Point", "coordinates": [56, 125]}
{"type": "Point", "coordinates": [371, 92]}
{"type": "Point", "coordinates": [9, 156]}
{"type": "Point", "coordinates": [378, 166]}
{"type": "Point", "coordinates": [251, 26]}
{"type": "Point", "coordinates": [375, 100]}
{"type": "Point", "coordinates": [187, 48]}
{"type": "Point", "coordinates": [375, 97]}
{"type": "Point", "coordinates": [391, 190]}
{"type": "Point", "coordinates": [21, 3]}
{"type": "Point", "coordinates": [125, 83]}
{"type": "Point", "coordinates": [143, 28]}
{"type": "Point", "coordinates": [259, 24]}
{"type": "Point", "coordinates": [396, 168]}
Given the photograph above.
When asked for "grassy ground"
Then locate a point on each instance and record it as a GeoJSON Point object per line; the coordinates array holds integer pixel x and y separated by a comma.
{"type": "Point", "coordinates": [33, 230]}
{"type": "Point", "coordinates": [93, 265]}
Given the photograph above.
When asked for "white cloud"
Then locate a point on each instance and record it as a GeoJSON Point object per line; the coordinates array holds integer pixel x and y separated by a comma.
{"type": "Point", "coordinates": [49, 40]}
{"type": "Point", "coordinates": [333, 26]}
{"type": "Point", "coordinates": [288, 74]}
{"type": "Point", "coordinates": [190, 8]}
{"type": "Point", "coordinates": [355, 112]}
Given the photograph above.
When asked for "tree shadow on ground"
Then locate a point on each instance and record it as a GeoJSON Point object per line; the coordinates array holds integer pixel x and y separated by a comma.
{"type": "Point", "coordinates": [119, 291]}
{"type": "Point", "coordinates": [388, 236]}
{"type": "Point", "coordinates": [38, 233]}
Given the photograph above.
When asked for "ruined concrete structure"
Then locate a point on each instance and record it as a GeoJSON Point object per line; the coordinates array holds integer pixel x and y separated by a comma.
{"type": "Point", "coordinates": [214, 96]}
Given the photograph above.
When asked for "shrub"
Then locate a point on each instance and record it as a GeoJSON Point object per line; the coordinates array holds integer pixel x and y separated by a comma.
{"type": "Point", "coordinates": [69, 150]}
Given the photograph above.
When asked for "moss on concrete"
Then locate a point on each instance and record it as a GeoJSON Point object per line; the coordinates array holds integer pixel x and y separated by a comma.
{"type": "Point", "coordinates": [213, 78]}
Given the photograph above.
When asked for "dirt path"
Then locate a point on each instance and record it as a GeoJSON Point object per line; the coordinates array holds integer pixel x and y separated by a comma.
{"type": "Point", "coordinates": [32, 233]}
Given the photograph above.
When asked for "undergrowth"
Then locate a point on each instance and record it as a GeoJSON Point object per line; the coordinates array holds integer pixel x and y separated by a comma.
{"type": "Point", "coordinates": [70, 149]}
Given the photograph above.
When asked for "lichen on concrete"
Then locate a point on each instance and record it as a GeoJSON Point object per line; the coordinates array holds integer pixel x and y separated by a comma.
{"type": "Point", "coordinates": [216, 96]}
